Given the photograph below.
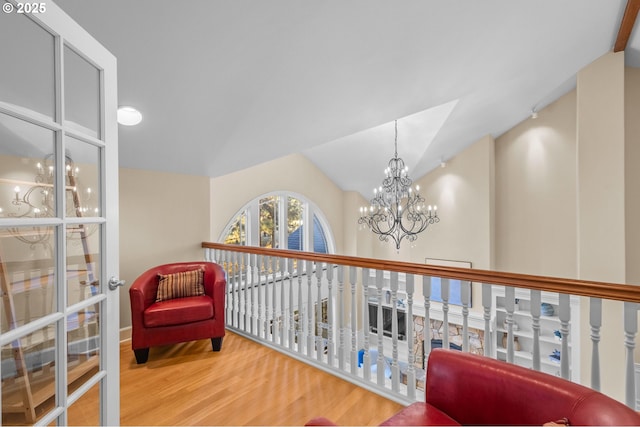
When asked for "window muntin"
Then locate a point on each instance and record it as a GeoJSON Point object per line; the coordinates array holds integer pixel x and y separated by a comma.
{"type": "Point", "coordinates": [279, 222]}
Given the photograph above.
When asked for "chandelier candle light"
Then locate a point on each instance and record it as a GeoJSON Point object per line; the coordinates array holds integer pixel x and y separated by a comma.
{"type": "Point", "coordinates": [397, 210]}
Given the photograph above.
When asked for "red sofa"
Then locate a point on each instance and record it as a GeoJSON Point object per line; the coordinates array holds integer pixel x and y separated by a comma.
{"type": "Point", "coordinates": [466, 389]}
{"type": "Point", "coordinates": [181, 319]}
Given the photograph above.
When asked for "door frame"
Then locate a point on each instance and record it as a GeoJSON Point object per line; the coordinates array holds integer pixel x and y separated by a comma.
{"type": "Point", "coordinates": [67, 32]}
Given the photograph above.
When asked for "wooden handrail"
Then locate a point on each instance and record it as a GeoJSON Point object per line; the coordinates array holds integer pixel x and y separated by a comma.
{"type": "Point", "coordinates": [612, 291]}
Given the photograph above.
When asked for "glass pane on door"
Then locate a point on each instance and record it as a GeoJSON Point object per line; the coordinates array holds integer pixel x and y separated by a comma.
{"type": "Point", "coordinates": [83, 262]}
{"type": "Point", "coordinates": [81, 93]}
{"type": "Point", "coordinates": [28, 65]}
{"type": "Point", "coordinates": [83, 346]}
{"type": "Point", "coordinates": [27, 275]}
{"type": "Point", "coordinates": [28, 377]}
{"type": "Point", "coordinates": [82, 178]}
{"type": "Point", "coordinates": [86, 410]}
{"type": "Point", "coordinates": [26, 169]}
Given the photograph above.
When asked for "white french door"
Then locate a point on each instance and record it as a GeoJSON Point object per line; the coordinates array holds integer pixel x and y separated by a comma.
{"type": "Point", "coordinates": [59, 338]}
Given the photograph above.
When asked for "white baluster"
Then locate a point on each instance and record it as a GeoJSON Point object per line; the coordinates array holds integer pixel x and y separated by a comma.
{"type": "Point", "coordinates": [595, 319]}
{"type": "Point", "coordinates": [254, 278]}
{"type": "Point", "coordinates": [380, 322]}
{"type": "Point", "coordinates": [267, 303]}
{"type": "Point", "coordinates": [239, 282]}
{"type": "Point", "coordinates": [565, 317]}
{"type": "Point", "coordinates": [536, 301]}
{"type": "Point", "coordinates": [341, 349]}
{"type": "Point", "coordinates": [330, 317]}
{"type": "Point", "coordinates": [486, 305]}
{"type": "Point", "coordinates": [426, 331]}
{"type": "Point", "coordinates": [354, 321]}
{"type": "Point", "coordinates": [318, 332]}
{"type": "Point", "coordinates": [285, 305]}
{"type": "Point", "coordinates": [310, 311]}
{"type": "Point", "coordinates": [366, 360]}
{"type": "Point", "coordinates": [260, 328]}
{"type": "Point", "coordinates": [300, 337]}
{"type": "Point", "coordinates": [465, 293]}
{"type": "Point", "coordinates": [229, 300]}
{"type": "Point", "coordinates": [267, 306]}
{"type": "Point", "coordinates": [630, 330]}
{"type": "Point", "coordinates": [509, 305]}
{"type": "Point", "coordinates": [277, 315]}
{"type": "Point", "coordinates": [395, 369]}
{"type": "Point", "coordinates": [290, 307]}
{"type": "Point", "coordinates": [248, 291]}
{"type": "Point", "coordinates": [411, 372]}
{"type": "Point", "coordinates": [444, 293]}
{"type": "Point", "coordinates": [234, 288]}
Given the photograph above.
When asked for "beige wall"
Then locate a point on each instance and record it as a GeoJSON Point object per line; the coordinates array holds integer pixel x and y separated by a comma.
{"type": "Point", "coordinates": [164, 217]}
{"type": "Point", "coordinates": [632, 172]}
{"type": "Point", "coordinates": [536, 193]}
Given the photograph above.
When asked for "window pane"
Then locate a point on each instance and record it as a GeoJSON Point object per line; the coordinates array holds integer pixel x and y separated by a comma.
{"type": "Point", "coordinates": [83, 346]}
{"type": "Point", "coordinates": [27, 53]}
{"type": "Point", "coordinates": [29, 360]}
{"type": "Point", "coordinates": [319, 238]}
{"type": "Point", "coordinates": [83, 262]}
{"type": "Point", "coordinates": [237, 234]}
{"type": "Point", "coordinates": [269, 222]}
{"type": "Point", "coordinates": [295, 229]}
{"type": "Point", "coordinates": [26, 169]}
{"type": "Point", "coordinates": [27, 277]}
{"type": "Point", "coordinates": [86, 410]}
{"type": "Point", "coordinates": [83, 178]}
{"type": "Point", "coordinates": [82, 93]}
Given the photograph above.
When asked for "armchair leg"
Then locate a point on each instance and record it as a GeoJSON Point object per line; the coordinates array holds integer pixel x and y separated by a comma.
{"type": "Point", "coordinates": [216, 343]}
{"type": "Point", "coordinates": [142, 355]}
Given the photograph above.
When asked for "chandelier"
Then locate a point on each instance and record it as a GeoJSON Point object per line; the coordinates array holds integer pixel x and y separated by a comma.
{"type": "Point", "coordinates": [397, 210]}
{"type": "Point", "coordinates": [36, 199]}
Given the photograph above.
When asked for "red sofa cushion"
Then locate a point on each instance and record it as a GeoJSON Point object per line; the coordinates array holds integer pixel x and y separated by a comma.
{"type": "Point", "coordinates": [178, 311]}
{"type": "Point", "coordinates": [420, 414]}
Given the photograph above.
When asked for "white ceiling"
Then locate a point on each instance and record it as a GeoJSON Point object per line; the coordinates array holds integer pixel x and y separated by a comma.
{"type": "Point", "coordinates": [227, 84]}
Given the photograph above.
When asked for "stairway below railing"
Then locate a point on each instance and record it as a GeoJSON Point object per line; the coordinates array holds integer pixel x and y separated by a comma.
{"type": "Point", "coordinates": [374, 322]}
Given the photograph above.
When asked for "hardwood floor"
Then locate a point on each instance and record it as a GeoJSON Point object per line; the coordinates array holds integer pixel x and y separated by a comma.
{"type": "Point", "coordinates": [244, 384]}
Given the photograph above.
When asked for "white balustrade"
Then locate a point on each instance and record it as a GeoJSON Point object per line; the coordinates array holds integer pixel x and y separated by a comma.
{"type": "Point", "coordinates": [363, 323]}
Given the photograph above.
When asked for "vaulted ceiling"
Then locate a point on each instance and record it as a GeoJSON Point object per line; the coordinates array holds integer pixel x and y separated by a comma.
{"type": "Point", "coordinates": [227, 84]}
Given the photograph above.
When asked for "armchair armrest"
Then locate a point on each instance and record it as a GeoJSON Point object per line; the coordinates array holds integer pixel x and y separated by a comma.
{"type": "Point", "coordinates": [215, 284]}
{"type": "Point", "coordinates": [142, 294]}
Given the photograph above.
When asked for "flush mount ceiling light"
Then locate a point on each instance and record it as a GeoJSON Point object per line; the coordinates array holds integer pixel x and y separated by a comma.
{"type": "Point", "coordinates": [129, 116]}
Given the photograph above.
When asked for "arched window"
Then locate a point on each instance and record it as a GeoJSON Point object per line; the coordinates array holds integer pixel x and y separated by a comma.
{"type": "Point", "coordinates": [278, 220]}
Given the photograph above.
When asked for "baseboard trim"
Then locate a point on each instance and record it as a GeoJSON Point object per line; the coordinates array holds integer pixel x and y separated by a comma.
{"type": "Point", "coordinates": [125, 334]}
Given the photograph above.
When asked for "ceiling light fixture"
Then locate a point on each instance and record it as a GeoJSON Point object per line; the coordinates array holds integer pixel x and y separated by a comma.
{"type": "Point", "coordinates": [129, 116]}
{"type": "Point", "coordinates": [397, 210]}
{"type": "Point", "coordinates": [534, 113]}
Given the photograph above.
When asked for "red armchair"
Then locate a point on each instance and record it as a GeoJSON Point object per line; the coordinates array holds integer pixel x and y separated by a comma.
{"type": "Point", "coordinates": [467, 389]}
{"type": "Point", "coordinates": [179, 319]}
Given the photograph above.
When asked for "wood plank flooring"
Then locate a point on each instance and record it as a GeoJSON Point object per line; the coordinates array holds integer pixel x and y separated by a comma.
{"type": "Point", "coordinates": [244, 384]}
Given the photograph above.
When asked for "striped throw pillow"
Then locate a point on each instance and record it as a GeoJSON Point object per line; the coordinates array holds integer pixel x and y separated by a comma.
{"type": "Point", "coordinates": [180, 285]}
